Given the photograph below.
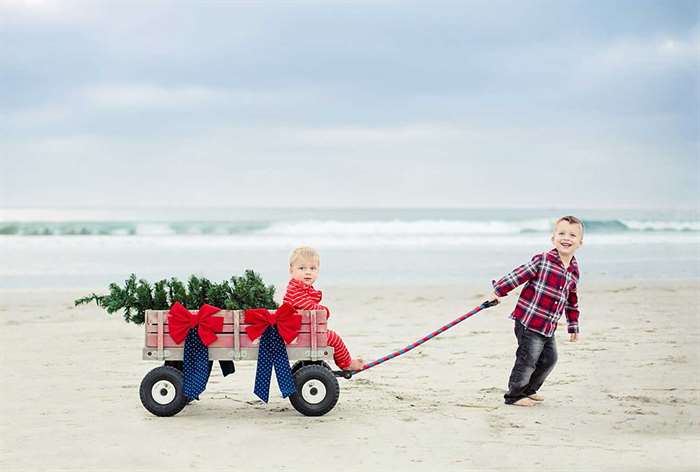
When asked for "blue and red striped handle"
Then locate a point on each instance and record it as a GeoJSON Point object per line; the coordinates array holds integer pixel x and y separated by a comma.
{"type": "Point", "coordinates": [428, 337]}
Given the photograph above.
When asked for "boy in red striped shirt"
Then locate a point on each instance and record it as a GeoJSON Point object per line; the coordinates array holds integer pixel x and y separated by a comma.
{"type": "Point", "coordinates": [304, 264]}
{"type": "Point", "coordinates": [550, 291]}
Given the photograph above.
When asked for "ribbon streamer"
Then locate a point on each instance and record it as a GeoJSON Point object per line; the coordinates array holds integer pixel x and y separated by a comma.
{"type": "Point", "coordinates": [198, 332]}
{"type": "Point", "coordinates": [278, 329]}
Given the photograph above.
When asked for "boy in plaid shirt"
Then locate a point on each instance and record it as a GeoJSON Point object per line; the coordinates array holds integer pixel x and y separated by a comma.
{"type": "Point", "coordinates": [550, 290]}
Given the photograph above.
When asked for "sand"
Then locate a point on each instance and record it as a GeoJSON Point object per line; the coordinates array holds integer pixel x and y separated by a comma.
{"type": "Point", "coordinates": [625, 397]}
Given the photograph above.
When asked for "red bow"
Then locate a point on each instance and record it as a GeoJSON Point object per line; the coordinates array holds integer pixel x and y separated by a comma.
{"type": "Point", "coordinates": [286, 319]}
{"type": "Point", "coordinates": [181, 321]}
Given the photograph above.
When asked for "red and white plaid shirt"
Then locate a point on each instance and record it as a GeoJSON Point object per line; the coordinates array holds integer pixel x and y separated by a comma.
{"type": "Point", "coordinates": [549, 292]}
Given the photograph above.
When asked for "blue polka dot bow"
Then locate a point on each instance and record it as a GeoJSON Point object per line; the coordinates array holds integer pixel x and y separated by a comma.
{"type": "Point", "coordinates": [277, 329]}
{"type": "Point", "coordinates": [198, 331]}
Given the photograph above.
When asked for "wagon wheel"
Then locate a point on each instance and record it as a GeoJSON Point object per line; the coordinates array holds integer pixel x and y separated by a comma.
{"type": "Point", "coordinates": [317, 390]}
{"type": "Point", "coordinates": [299, 364]}
{"type": "Point", "coordinates": [161, 391]}
{"type": "Point", "coordinates": [179, 365]}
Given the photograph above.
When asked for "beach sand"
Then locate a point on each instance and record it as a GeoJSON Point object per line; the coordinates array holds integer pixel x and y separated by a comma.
{"type": "Point", "coordinates": [625, 397]}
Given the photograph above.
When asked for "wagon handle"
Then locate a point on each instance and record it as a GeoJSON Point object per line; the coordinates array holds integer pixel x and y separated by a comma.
{"type": "Point", "coordinates": [346, 374]}
{"type": "Point", "coordinates": [489, 303]}
{"type": "Point", "coordinates": [349, 373]}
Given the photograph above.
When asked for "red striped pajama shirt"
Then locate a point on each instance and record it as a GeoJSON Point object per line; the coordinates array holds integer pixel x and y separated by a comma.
{"type": "Point", "coordinates": [305, 297]}
{"type": "Point", "coordinates": [549, 293]}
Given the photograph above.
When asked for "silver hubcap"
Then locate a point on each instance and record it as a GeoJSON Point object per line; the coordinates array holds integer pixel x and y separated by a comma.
{"type": "Point", "coordinates": [163, 392]}
{"type": "Point", "coordinates": [313, 391]}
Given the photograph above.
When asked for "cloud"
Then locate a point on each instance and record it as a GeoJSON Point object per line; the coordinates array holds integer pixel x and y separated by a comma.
{"type": "Point", "coordinates": [150, 96]}
{"type": "Point", "coordinates": [48, 12]}
{"type": "Point", "coordinates": [426, 98]}
{"type": "Point", "coordinates": [383, 136]}
{"type": "Point", "coordinates": [34, 117]}
{"type": "Point", "coordinates": [185, 98]}
{"type": "Point", "coordinates": [661, 53]}
{"type": "Point", "coordinates": [431, 164]}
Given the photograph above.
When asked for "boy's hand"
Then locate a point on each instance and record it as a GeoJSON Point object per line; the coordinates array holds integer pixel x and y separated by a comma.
{"type": "Point", "coordinates": [492, 299]}
{"type": "Point", "coordinates": [573, 337]}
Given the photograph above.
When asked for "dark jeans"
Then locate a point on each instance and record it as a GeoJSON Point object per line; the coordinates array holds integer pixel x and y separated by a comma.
{"type": "Point", "coordinates": [534, 361]}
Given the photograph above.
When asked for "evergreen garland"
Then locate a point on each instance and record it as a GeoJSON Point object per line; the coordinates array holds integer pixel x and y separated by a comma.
{"type": "Point", "coordinates": [138, 295]}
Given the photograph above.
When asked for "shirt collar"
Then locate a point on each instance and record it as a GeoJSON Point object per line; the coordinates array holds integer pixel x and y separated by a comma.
{"type": "Point", "coordinates": [553, 256]}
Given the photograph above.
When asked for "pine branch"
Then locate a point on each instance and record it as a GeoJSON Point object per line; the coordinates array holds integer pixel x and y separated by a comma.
{"type": "Point", "coordinates": [138, 295]}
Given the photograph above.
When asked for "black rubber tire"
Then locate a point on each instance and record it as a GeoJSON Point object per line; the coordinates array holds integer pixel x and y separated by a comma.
{"type": "Point", "coordinates": [304, 378]}
{"type": "Point", "coordinates": [177, 364]}
{"type": "Point", "coordinates": [172, 377]}
{"type": "Point", "coordinates": [299, 364]}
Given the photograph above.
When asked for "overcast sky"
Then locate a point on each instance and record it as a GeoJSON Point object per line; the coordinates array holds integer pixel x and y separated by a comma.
{"type": "Point", "coordinates": [357, 103]}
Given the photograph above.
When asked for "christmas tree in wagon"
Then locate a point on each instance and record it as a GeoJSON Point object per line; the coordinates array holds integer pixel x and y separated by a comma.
{"type": "Point", "coordinates": [190, 326]}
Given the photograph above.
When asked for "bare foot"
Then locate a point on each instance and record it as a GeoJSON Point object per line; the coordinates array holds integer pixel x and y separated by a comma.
{"type": "Point", "coordinates": [525, 402]}
{"type": "Point", "coordinates": [355, 364]}
{"type": "Point", "coordinates": [536, 397]}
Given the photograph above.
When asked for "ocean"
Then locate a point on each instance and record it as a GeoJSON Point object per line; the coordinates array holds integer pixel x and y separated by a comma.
{"type": "Point", "coordinates": [89, 248]}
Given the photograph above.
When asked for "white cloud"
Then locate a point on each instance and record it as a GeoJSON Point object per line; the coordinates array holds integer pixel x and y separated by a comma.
{"type": "Point", "coordinates": [668, 50]}
{"type": "Point", "coordinates": [268, 93]}
{"type": "Point", "coordinates": [654, 53]}
{"type": "Point", "coordinates": [415, 133]}
{"type": "Point", "coordinates": [97, 102]}
{"type": "Point", "coordinates": [433, 164]}
{"type": "Point", "coordinates": [29, 5]}
{"type": "Point", "coordinates": [154, 97]}
{"type": "Point", "coordinates": [150, 96]}
{"type": "Point", "coordinates": [33, 117]}
{"type": "Point", "coordinates": [48, 12]}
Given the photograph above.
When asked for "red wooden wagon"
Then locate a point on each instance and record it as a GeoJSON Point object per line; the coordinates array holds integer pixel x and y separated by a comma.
{"type": "Point", "coordinates": [317, 386]}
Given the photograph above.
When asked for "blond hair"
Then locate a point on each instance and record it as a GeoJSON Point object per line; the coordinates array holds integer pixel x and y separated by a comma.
{"type": "Point", "coordinates": [304, 252]}
{"type": "Point", "coordinates": [571, 220]}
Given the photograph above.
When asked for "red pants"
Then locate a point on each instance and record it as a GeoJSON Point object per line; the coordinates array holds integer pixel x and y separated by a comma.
{"type": "Point", "coordinates": [341, 356]}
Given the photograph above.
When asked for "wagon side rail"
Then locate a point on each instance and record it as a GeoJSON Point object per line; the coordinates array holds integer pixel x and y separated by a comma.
{"type": "Point", "coordinates": [233, 343]}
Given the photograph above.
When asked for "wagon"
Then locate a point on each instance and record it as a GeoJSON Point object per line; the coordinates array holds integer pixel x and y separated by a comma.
{"type": "Point", "coordinates": [317, 387]}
